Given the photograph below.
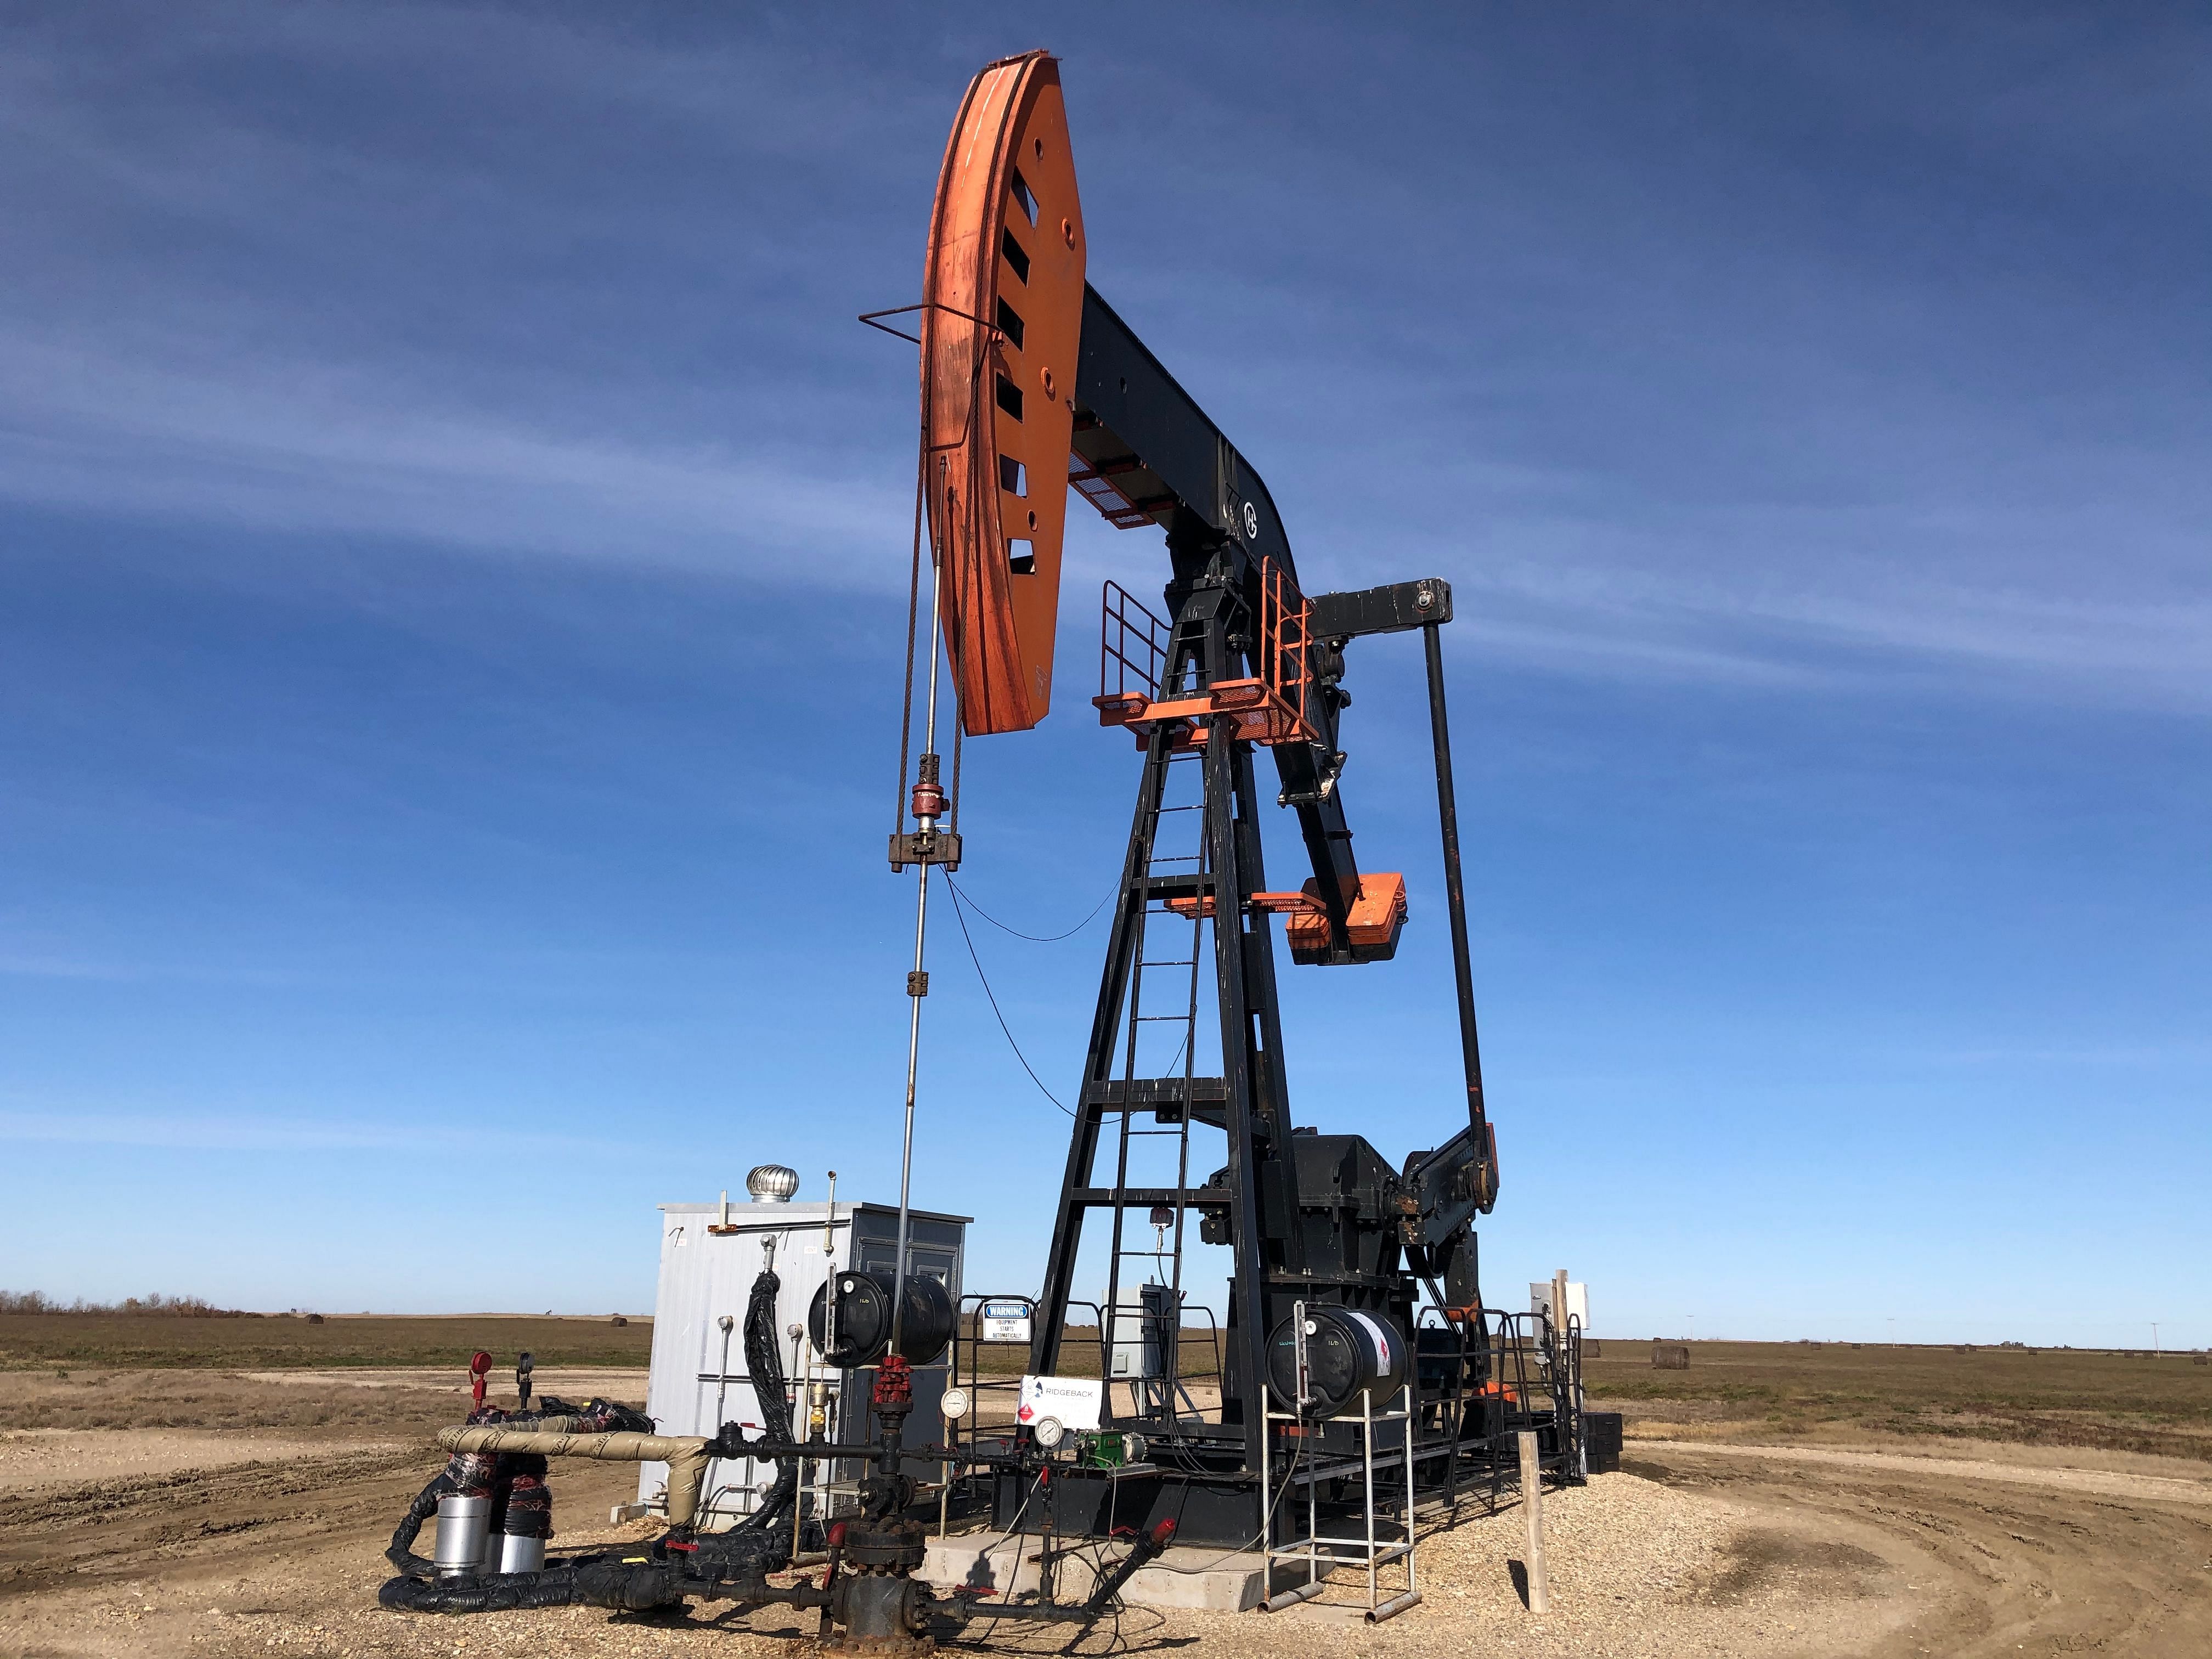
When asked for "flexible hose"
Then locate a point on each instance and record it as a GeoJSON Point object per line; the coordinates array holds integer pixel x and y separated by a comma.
{"type": "Point", "coordinates": [764, 1365]}
{"type": "Point", "coordinates": [596, 1583]}
{"type": "Point", "coordinates": [399, 1552]}
{"type": "Point", "coordinates": [478, 1474]}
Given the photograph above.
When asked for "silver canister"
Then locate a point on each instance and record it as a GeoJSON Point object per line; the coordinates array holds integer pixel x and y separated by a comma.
{"type": "Point", "coordinates": [463, 1528]}
{"type": "Point", "coordinates": [520, 1554]}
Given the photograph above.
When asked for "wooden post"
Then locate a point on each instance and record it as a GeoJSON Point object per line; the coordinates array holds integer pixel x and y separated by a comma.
{"type": "Point", "coordinates": [1532, 1504]}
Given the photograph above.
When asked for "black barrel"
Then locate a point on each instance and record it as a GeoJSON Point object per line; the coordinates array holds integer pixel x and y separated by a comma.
{"type": "Point", "coordinates": [1347, 1351]}
{"type": "Point", "coordinates": [864, 1319]}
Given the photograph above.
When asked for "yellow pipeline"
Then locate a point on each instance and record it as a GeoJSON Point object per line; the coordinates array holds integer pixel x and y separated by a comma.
{"type": "Point", "coordinates": [685, 1455]}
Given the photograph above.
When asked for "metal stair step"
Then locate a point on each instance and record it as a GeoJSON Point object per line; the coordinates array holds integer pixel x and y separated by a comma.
{"type": "Point", "coordinates": [1191, 1198]}
{"type": "Point", "coordinates": [1143, 1093]}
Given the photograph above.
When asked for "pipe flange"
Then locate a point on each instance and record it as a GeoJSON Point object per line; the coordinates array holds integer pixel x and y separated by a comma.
{"type": "Point", "coordinates": [893, 1545]}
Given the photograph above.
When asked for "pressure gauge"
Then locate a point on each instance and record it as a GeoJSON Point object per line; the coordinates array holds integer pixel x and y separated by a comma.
{"type": "Point", "coordinates": [954, 1404]}
{"type": "Point", "coordinates": [1048, 1431]}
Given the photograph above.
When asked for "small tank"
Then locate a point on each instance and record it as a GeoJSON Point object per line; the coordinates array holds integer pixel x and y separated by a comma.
{"type": "Point", "coordinates": [520, 1554]}
{"type": "Point", "coordinates": [464, 1531]}
{"type": "Point", "coordinates": [864, 1319]}
{"type": "Point", "coordinates": [1347, 1351]}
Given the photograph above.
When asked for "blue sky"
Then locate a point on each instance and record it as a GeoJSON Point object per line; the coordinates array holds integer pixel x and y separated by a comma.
{"type": "Point", "coordinates": [451, 577]}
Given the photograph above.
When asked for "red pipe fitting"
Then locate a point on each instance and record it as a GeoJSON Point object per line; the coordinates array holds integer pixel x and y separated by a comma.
{"type": "Point", "coordinates": [894, 1389]}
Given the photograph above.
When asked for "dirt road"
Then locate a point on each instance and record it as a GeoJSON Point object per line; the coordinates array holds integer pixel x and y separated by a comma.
{"type": "Point", "coordinates": [185, 1540]}
{"type": "Point", "coordinates": [1992, 1558]}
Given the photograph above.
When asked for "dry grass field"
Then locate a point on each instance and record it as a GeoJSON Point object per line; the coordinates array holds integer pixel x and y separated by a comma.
{"type": "Point", "coordinates": [1835, 1394]}
{"type": "Point", "coordinates": [1817, 1393]}
{"type": "Point", "coordinates": [286, 1342]}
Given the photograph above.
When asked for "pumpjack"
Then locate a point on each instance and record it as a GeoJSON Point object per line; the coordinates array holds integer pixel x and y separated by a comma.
{"type": "Point", "coordinates": [1353, 1280]}
{"type": "Point", "coordinates": [1029, 376]}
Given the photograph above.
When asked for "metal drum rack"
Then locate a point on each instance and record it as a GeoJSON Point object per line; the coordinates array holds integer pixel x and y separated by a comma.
{"type": "Point", "coordinates": [1381, 1542]}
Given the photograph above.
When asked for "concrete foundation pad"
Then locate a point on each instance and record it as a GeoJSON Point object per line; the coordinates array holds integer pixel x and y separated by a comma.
{"type": "Point", "coordinates": [1193, 1578]}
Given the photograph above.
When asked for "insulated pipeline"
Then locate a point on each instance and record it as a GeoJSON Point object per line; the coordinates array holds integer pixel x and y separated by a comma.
{"type": "Point", "coordinates": [764, 1365]}
{"type": "Point", "coordinates": [686, 1456]}
{"type": "Point", "coordinates": [633, 1586]}
{"type": "Point", "coordinates": [400, 1551]}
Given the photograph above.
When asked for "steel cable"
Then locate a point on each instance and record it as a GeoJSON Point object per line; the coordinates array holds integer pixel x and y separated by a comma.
{"type": "Point", "coordinates": [959, 916]}
{"type": "Point", "coordinates": [1036, 939]}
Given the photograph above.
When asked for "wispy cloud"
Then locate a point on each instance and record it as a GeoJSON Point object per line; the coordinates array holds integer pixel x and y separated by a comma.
{"type": "Point", "coordinates": [22, 965]}
{"type": "Point", "coordinates": [220, 1134]}
{"type": "Point", "coordinates": [222, 313]}
{"type": "Point", "coordinates": [2118, 1055]}
{"type": "Point", "coordinates": [536, 284]}
{"type": "Point", "coordinates": [1631, 622]}
{"type": "Point", "coordinates": [316, 448]}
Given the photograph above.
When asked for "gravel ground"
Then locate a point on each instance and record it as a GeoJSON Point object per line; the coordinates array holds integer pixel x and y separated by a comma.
{"type": "Point", "coordinates": [1636, 1568]}
{"type": "Point", "coordinates": [1628, 1559]}
{"type": "Point", "coordinates": [1724, 1550]}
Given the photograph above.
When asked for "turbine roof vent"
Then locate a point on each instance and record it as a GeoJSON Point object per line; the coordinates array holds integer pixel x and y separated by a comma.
{"type": "Point", "coordinates": [772, 1183]}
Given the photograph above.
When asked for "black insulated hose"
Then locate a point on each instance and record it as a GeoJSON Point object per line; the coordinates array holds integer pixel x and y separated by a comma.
{"type": "Point", "coordinates": [476, 1474]}
{"type": "Point", "coordinates": [598, 1582]}
{"type": "Point", "coordinates": [764, 1365]}
{"type": "Point", "coordinates": [399, 1552]}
